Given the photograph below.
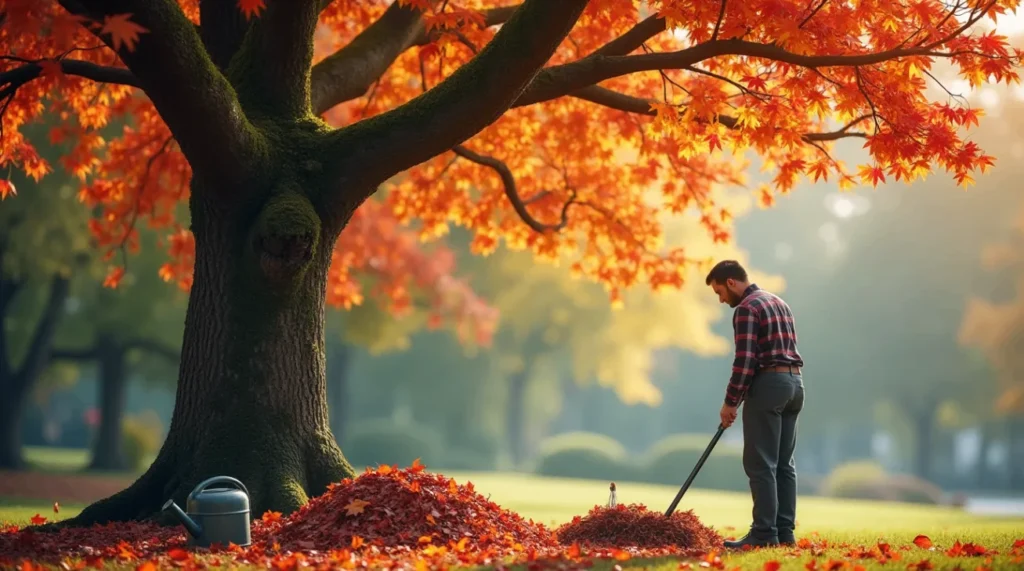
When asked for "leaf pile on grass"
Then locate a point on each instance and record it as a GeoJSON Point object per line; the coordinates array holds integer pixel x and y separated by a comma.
{"type": "Point", "coordinates": [633, 525]}
{"type": "Point", "coordinates": [408, 508]}
{"type": "Point", "coordinates": [125, 541]}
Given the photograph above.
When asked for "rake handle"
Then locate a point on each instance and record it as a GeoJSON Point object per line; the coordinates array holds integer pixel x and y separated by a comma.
{"type": "Point", "coordinates": [693, 474]}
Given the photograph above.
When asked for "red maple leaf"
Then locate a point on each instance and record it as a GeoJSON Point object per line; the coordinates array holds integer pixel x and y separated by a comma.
{"type": "Point", "coordinates": [251, 8]}
{"type": "Point", "coordinates": [122, 30]}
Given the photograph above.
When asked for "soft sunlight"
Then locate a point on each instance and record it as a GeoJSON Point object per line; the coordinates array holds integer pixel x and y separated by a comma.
{"type": "Point", "coordinates": [845, 205]}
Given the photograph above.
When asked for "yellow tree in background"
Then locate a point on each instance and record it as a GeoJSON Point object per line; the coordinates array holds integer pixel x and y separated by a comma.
{"type": "Point", "coordinates": [550, 316]}
{"type": "Point", "coordinates": [997, 329]}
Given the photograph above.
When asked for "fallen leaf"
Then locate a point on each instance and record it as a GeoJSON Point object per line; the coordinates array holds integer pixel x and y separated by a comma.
{"type": "Point", "coordinates": [923, 541]}
{"type": "Point", "coordinates": [356, 507]}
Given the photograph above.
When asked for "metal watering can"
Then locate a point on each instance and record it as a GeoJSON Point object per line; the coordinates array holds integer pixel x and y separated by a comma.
{"type": "Point", "coordinates": [216, 515]}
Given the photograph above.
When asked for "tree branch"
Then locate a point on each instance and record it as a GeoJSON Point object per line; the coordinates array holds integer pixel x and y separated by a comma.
{"type": "Point", "coordinates": [78, 355]}
{"type": "Point", "coordinates": [195, 100]}
{"type": "Point", "coordinates": [556, 81]}
{"type": "Point", "coordinates": [14, 78]}
{"type": "Point", "coordinates": [155, 347]}
{"type": "Point", "coordinates": [460, 106]}
{"type": "Point", "coordinates": [222, 28]}
{"type": "Point", "coordinates": [350, 72]}
{"type": "Point", "coordinates": [639, 106]}
{"type": "Point", "coordinates": [509, 184]}
{"type": "Point", "coordinates": [271, 71]}
{"type": "Point", "coordinates": [634, 38]}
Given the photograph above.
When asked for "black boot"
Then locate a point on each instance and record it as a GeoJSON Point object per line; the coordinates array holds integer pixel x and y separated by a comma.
{"type": "Point", "coordinates": [751, 540]}
{"type": "Point", "coordinates": [787, 539]}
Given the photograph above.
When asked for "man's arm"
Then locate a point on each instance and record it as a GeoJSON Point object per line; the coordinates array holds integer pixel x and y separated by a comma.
{"type": "Point", "coordinates": [744, 323]}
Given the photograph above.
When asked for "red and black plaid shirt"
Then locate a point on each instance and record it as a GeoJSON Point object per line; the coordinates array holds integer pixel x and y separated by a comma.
{"type": "Point", "coordinates": [765, 337]}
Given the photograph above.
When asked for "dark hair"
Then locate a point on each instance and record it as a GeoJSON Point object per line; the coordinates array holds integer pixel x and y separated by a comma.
{"type": "Point", "coordinates": [725, 270]}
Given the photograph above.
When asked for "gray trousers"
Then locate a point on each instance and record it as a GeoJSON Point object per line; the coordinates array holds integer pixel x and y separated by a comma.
{"type": "Point", "coordinates": [770, 410]}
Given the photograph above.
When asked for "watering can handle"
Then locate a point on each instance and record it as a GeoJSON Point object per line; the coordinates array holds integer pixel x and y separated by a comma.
{"type": "Point", "coordinates": [217, 480]}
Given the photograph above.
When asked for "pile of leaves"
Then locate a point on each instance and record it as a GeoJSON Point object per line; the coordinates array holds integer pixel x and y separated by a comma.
{"type": "Point", "coordinates": [633, 525]}
{"type": "Point", "coordinates": [408, 508]}
{"type": "Point", "coordinates": [93, 545]}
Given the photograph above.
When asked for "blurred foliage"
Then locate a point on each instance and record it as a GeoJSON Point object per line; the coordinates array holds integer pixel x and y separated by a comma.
{"type": "Point", "coordinates": [382, 441]}
{"type": "Point", "coordinates": [867, 480]}
{"type": "Point", "coordinates": [584, 455]}
{"type": "Point", "coordinates": [141, 438]}
{"type": "Point", "coordinates": [671, 459]}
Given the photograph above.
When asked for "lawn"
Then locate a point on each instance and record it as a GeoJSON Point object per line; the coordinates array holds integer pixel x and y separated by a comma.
{"type": "Point", "coordinates": [835, 527]}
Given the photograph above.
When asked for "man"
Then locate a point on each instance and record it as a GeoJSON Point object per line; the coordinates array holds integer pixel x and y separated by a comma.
{"type": "Point", "coordinates": [766, 378]}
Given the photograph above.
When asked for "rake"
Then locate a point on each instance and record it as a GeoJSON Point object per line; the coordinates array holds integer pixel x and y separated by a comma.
{"type": "Point", "coordinates": [693, 474]}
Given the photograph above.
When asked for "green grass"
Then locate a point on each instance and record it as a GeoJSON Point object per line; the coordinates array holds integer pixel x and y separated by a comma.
{"type": "Point", "coordinates": [554, 500]}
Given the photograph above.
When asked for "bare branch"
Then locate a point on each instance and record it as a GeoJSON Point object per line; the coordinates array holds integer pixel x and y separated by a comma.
{"type": "Point", "coordinates": [509, 184]}
{"type": "Point", "coordinates": [813, 12]}
{"type": "Point", "coordinates": [78, 355]}
{"type": "Point", "coordinates": [350, 72]}
{"type": "Point", "coordinates": [473, 97]}
{"type": "Point", "coordinates": [194, 100]}
{"type": "Point", "coordinates": [718, 23]}
{"type": "Point", "coordinates": [12, 79]}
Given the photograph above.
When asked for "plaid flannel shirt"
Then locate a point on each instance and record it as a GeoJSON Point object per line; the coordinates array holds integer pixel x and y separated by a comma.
{"type": "Point", "coordinates": [765, 335]}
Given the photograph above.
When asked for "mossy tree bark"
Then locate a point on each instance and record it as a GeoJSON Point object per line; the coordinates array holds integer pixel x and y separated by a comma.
{"type": "Point", "coordinates": [272, 188]}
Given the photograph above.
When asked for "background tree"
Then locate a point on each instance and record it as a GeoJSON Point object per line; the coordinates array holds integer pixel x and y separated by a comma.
{"type": "Point", "coordinates": [555, 326]}
{"type": "Point", "coordinates": [481, 135]}
{"type": "Point", "coordinates": [134, 328]}
{"type": "Point", "coordinates": [44, 246]}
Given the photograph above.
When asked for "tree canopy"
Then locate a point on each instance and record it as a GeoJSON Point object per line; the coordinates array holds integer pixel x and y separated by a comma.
{"type": "Point", "coordinates": [639, 109]}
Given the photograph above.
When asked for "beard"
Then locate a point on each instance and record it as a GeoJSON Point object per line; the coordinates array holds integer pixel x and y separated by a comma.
{"type": "Point", "coordinates": [733, 299]}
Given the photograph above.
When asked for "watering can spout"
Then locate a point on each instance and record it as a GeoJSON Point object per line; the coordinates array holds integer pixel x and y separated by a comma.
{"type": "Point", "coordinates": [192, 527]}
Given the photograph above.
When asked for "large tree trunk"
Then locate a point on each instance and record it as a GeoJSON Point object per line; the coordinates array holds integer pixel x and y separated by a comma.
{"type": "Point", "coordinates": [251, 399]}
{"type": "Point", "coordinates": [107, 453]}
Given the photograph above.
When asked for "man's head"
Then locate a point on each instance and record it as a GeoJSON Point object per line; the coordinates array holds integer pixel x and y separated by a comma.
{"type": "Point", "coordinates": [729, 280]}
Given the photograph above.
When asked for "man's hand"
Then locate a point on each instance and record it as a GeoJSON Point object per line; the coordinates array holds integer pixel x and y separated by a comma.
{"type": "Point", "coordinates": [728, 415]}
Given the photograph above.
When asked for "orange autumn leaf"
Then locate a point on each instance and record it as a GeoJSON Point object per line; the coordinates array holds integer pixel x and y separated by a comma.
{"type": "Point", "coordinates": [114, 277]}
{"type": "Point", "coordinates": [417, 466]}
{"type": "Point", "coordinates": [356, 507]}
{"type": "Point", "coordinates": [772, 565]}
{"type": "Point", "coordinates": [923, 541]}
{"type": "Point", "coordinates": [179, 554]}
{"type": "Point", "coordinates": [122, 30]}
{"type": "Point", "coordinates": [38, 519]}
{"type": "Point", "coordinates": [7, 189]}
{"type": "Point", "coordinates": [270, 517]}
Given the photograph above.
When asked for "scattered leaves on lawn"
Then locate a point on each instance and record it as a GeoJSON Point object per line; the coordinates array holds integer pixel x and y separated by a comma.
{"type": "Point", "coordinates": [389, 518]}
